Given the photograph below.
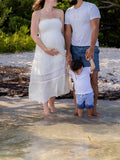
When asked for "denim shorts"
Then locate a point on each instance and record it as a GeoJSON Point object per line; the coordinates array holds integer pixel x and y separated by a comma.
{"type": "Point", "coordinates": [79, 53]}
{"type": "Point", "coordinates": [85, 100]}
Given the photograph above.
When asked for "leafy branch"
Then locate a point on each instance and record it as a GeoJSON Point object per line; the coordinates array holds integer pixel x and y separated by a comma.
{"type": "Point", "coordinates": [110, 5]}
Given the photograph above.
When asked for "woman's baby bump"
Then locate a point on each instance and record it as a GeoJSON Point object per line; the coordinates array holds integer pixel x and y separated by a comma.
{"type": "Point", "coordinates": [53, 39]}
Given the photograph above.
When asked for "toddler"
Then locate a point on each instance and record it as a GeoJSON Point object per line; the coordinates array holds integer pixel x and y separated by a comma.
{"type": "Point", "coordinates": [83, 89]}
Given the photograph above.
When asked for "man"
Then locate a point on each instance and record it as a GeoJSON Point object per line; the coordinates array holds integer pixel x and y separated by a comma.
{"type": "Point", "coordinates": [81, 33]}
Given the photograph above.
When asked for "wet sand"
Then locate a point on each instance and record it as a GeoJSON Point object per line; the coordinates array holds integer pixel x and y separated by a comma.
{"type": "Point", "coordinates": [26, 134]}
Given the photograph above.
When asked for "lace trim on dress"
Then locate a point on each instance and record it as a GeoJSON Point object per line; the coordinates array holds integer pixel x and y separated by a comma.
{"type": "Point", "coordinates": [49, 76]}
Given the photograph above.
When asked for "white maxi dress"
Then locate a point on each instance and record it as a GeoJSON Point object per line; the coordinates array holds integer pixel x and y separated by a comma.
{"type": "Point", "coordinates": [49, 76]}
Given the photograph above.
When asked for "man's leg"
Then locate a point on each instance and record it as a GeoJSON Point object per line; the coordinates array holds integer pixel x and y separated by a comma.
{"type": "Point", "coordinates": [94, 83]}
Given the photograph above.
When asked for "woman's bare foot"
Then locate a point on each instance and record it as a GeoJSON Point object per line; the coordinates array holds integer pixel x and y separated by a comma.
{"type": "Point", "coordinates": [51, 104]}
{"type": "Point", "coordinates": [46, 111]}
{"type": "Point", "coordinates": [52, 108]}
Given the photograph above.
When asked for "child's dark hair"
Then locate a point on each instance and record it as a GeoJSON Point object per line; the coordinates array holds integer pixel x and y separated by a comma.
{"type": "Point", "coordinates": [76, 64]}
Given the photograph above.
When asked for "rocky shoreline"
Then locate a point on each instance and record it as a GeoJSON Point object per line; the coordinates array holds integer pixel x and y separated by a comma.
{"type": "Point", "coordinates": [15, 81]}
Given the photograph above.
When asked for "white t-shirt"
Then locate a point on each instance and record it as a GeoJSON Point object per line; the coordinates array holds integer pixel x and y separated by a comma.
{"type": "Point", "coordinates": [79, 19]}
{"type": "Point", "coordinates": [82, 82]}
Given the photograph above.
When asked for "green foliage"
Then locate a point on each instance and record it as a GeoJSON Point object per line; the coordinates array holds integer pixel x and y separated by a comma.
{"type": "Point", "coordinates": [109, 24]}
{"type": "Point", "coordinates": [18, 42]}
{"type": "Point", "coordinates": [16, 18]}
{"type": "Point", "coordinates": [4, 12]}
{"type": "Point", "coordinates": [25, 9]}
{"type": "Point", "coordinates": [64, 5]}
{"type": "Point", "coordinates": [19, 12]}
{"type": "Point", "coordinates": [109, 27]}
{"type": "Point", "coordinates": [16, 22]}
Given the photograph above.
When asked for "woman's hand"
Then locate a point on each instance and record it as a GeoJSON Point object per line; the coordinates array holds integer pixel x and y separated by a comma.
{"type": "Point", "coordinates": [51, 52]}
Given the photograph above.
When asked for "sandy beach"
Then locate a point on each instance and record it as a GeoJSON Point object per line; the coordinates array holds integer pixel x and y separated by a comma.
{"type": "Point", "coordinates": [25, 133]}
{"type": "Point", "coordinates": [15, 73]}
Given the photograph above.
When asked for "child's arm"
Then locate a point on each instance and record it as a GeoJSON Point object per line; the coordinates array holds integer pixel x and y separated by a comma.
{"type": "Point", "coordinates": [92, 65]}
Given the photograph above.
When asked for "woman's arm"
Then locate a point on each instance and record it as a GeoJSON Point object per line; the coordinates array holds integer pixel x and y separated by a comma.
{"type": "Point", "coordinates": [62, 20]}
{"type": "Point", "coordinates": [34, 34]}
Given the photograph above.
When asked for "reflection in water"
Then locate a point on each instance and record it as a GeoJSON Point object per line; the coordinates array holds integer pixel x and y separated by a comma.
{"type": "Point", "coordinates": [25, 134]}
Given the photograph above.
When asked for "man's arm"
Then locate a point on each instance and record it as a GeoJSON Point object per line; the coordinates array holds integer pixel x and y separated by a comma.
{"type": "Point", "coordinates": [68, 34]}
{"type": "Point", "coordinates": [95, 30]}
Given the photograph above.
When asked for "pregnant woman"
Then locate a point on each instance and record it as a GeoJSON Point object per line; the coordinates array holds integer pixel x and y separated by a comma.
{"type": "Point", "coordinates": [48, 76]}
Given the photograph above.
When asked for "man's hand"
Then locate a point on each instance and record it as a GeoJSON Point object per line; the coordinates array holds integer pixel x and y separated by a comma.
{"type": "Point", "coordinates": [90, 52]}
{"type": "Point", "coordinates": [68, 57]}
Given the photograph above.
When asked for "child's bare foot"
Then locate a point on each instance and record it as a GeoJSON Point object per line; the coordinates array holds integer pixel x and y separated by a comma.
{"type": "Point", "coordinates": [76, 113]}
{"type": "Point", "coordinates": [96, 114]}
{"type": "Point", "coordinates": [46, 109]}
{"type": "Point", "coordinates": [80, 112]}
{"type": "Point", "coordinates": [90, 112]}
{"type": "Point", "coordinates": [52, 108]}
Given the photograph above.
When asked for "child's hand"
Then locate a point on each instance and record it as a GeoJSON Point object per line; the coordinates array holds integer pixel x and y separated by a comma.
{"type": "Point", "coordinates": [89, 58]}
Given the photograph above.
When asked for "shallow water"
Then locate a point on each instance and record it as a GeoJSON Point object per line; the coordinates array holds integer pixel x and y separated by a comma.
{"type": "Point", "coordinates": [25, 134]}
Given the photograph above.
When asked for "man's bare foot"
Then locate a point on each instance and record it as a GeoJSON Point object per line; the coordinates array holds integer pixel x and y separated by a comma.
{"type": "Point", "coordinates": [76, 113]}
{"type": "Point", "coordinates": [96, 114]}
{"type": "Point", "coordinates": [79, 115]}
{"type": "Point", "coordinates": [90, 115]}
{"type": "Point", "coordinates": [52, 108]}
